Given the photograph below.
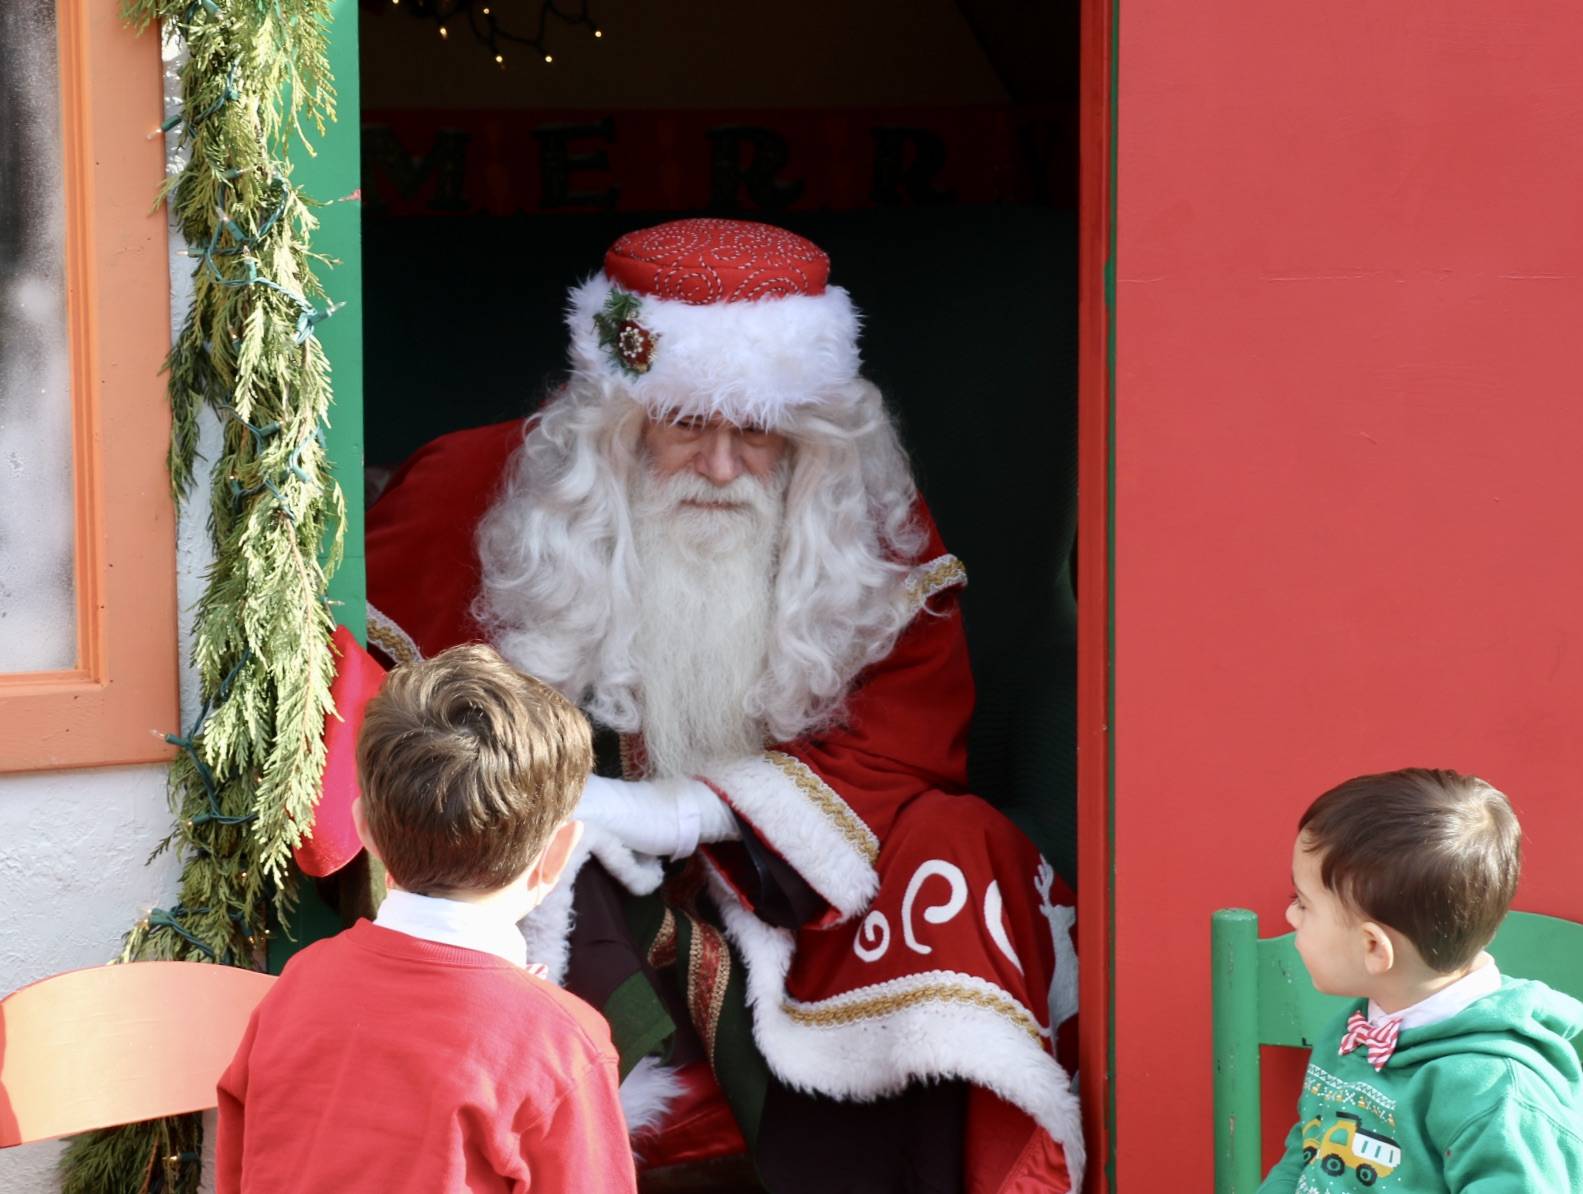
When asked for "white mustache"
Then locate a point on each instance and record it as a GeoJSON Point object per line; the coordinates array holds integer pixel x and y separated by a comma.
{"type": "Point", "coordinates": [687, 488]}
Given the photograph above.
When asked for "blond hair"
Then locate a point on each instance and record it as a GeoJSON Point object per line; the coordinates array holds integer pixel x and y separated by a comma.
{"type": "Point", "coordinates": [467, 767]}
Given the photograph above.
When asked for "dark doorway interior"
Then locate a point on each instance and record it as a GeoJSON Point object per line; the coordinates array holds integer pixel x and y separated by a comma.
{"type": "Point", "coordinates": [929, 148]}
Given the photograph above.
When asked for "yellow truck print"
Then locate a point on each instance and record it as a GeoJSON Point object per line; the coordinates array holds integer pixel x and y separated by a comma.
{"type": "Point", "coordinates": [1346, 1145]}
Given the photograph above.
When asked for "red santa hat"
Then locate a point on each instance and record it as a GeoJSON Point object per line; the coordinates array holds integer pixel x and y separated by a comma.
{"type": "Point", "coordinates": [710, 317]}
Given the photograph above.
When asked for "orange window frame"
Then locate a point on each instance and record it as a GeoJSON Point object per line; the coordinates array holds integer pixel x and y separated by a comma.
{"type": "Point", "coordinates": [121, 698]}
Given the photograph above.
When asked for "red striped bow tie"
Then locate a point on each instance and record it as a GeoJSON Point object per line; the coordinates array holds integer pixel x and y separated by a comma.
{"type": "Point", "coordinates": [1380, 1038]}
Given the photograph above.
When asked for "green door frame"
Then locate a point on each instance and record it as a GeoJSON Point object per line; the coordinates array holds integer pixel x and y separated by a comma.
{"type": "Point", "coordinates": [332, 176]}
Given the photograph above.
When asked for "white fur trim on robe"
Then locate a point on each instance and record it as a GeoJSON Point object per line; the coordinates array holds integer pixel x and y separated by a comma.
{"type": "Point", "coordinates": [807, 823]}
{"type": "Point", "coordinates": [975, 1036]}
{"type": "Point", "coordinates": [647, 1093]}
{"type": "Point", "coordinates": [548, 928]}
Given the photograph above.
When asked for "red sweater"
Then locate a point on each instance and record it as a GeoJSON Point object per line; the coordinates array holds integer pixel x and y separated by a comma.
{"type": "Point", "coordinates": [384, 1063]}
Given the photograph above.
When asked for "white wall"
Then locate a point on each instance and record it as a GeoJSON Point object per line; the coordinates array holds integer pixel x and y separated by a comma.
{"type": "Point", "coordinates": [72, 878]}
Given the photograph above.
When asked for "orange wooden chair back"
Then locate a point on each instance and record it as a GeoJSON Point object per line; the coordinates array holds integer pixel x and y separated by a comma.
{"type": "Point", "coordinates": [117, 1044]}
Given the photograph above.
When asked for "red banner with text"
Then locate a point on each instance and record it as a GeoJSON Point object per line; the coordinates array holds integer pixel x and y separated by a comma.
{"type": "Point", "coordinates": [425, 162]}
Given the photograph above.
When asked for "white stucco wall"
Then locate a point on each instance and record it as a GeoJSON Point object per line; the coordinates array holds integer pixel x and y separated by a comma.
{"type": "Point", "coordinates": [74, 845]}
{"type": "Point", "coordinates": [72, 878]}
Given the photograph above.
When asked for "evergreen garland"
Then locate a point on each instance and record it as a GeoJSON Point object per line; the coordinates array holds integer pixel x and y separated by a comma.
{"type": "Point", "coordinates": [249, 768]}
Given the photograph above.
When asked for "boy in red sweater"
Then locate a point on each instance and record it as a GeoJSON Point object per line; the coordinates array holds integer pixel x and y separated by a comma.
{"type": "Point", "coordinates": [417, 1053]}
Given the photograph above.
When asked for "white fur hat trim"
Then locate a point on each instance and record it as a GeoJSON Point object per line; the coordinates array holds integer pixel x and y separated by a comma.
{"type": "Point", "coordinates": [748, 362]}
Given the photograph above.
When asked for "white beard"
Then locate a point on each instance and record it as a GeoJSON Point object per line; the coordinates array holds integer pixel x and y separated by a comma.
{"type": "Point", "coordinates": [706, 604]}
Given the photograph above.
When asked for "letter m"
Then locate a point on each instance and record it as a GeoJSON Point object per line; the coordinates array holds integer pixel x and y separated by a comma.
{"type": "Point", "coordinates": [407, 176]}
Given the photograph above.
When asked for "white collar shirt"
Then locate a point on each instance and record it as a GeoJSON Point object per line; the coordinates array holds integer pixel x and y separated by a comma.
{"type": "Point", "coordinates": [453, 922]}
{"type": "Point", "coordinates": [1484, 979]}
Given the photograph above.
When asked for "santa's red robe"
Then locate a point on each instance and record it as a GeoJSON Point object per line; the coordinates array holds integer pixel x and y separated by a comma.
{"type": "Point", "coordinates": [939, 939]}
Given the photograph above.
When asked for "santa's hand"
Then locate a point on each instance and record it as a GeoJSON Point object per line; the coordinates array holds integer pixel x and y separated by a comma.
{"type": "Point", "coordinates": [667, 816]}
{"type": "Point", "coordinates": [638, 873]}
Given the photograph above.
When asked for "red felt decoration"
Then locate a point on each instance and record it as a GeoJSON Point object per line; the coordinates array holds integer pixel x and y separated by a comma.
{"type": "Point", "coordinates": [332, 840]}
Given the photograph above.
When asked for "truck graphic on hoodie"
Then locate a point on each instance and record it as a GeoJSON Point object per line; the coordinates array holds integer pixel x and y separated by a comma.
{"type": "Point", "coordinates": [1346, 1145]}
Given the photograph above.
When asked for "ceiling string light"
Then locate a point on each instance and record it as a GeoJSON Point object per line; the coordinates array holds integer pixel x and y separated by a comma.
{"type": "Point", "coordinates": [496, 30]}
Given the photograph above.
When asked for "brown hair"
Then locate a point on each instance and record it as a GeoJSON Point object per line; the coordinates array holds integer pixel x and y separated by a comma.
{"type": "Point", "coordinates": [467, 767]}
{"type": "Point", "coordinates": [1432, 854]}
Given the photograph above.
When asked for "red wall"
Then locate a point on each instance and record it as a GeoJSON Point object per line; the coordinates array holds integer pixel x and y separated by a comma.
{"type": "Point", "coordinates": [1348, 497]}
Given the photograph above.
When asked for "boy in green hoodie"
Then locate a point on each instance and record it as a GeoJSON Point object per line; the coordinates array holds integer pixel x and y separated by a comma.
{"type": "Point", "coordinates": [1446, 1076]}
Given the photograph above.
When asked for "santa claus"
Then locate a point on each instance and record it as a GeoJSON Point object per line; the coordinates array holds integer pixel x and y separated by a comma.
{"type": "Point", "coordinates": [813, 947]}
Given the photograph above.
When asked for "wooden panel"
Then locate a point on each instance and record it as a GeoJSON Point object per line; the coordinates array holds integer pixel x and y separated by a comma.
{"type": "Point", "coordinates": [1095, 862]}
{"type": "Point", "coordinates": [118, 1044]}
{"type": "Point", "coordinates": [1350, 277]}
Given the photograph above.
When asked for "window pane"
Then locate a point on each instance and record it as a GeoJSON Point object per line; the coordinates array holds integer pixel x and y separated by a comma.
{"type": "Point", "coordinates": [37, 604]}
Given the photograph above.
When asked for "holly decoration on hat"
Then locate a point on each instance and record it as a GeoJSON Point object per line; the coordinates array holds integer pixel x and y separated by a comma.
{"type": "Point", "coordinates": [628, 341]}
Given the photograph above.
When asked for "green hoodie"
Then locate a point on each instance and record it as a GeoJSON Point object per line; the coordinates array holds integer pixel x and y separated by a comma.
{"type": "Point", "coordinates": [1489, 1101]}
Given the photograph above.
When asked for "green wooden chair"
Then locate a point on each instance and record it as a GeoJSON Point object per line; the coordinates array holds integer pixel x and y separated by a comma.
{"type": "Point", "coordinates": [1263, 996]}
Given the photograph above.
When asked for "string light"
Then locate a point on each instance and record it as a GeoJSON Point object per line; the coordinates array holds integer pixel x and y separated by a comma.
{"type": "Point", "coordinates": [489, 30]}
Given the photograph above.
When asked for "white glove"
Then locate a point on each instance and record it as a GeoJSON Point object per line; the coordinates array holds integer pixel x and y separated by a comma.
{"type": "Point", "coordinates": [638, 873]}
{"type": "Point", "coordinates": [666, 816]}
